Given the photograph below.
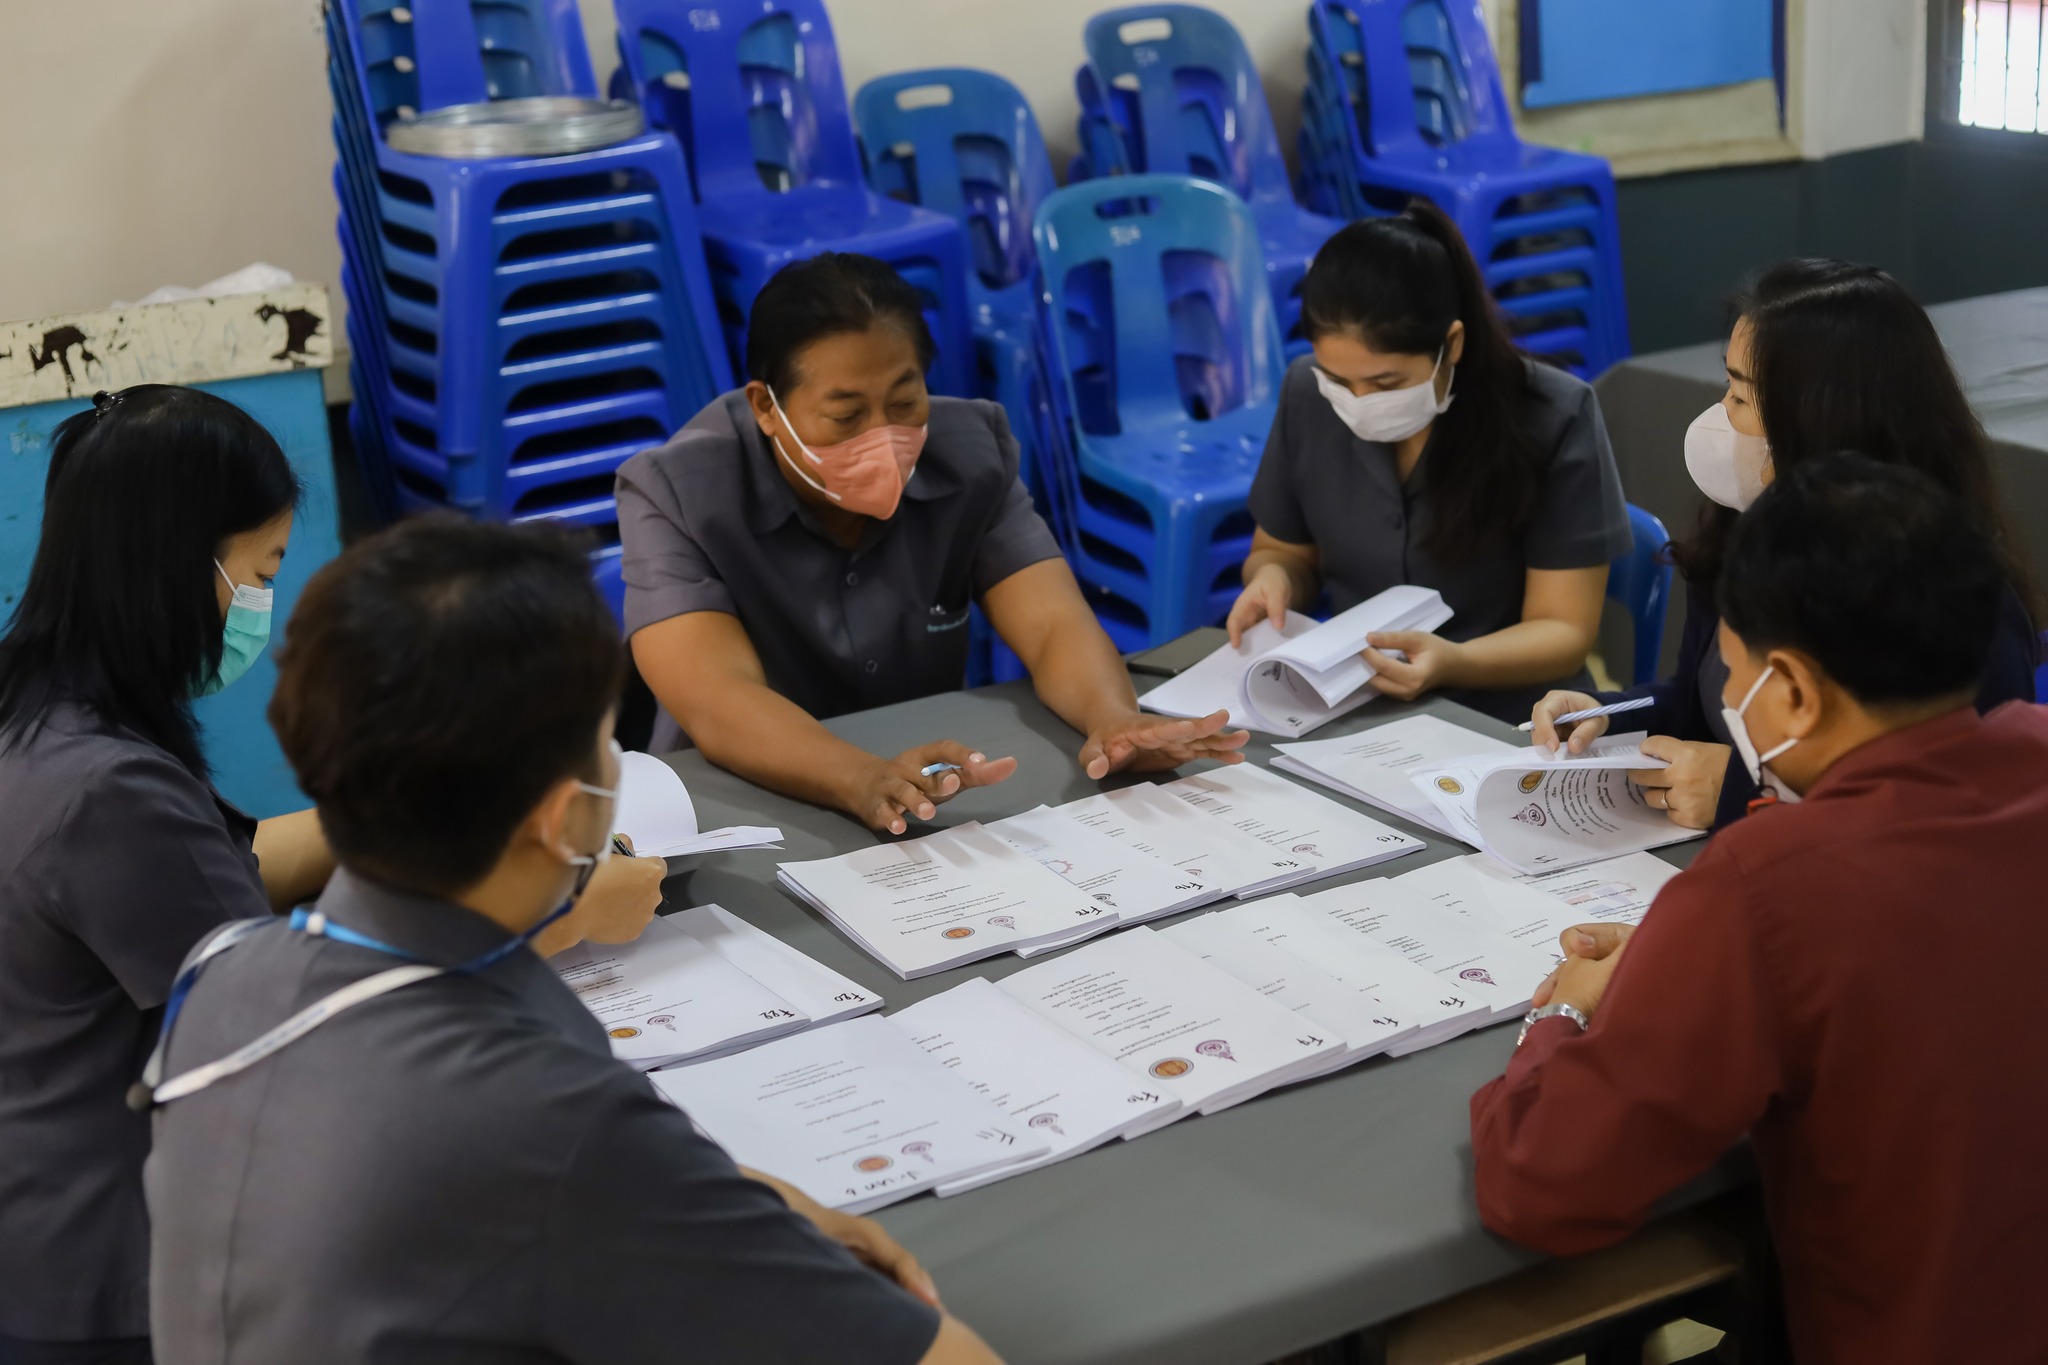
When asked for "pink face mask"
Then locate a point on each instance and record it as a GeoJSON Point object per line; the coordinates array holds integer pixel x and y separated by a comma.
{"type": "Point", "coordinates": [864, 475]}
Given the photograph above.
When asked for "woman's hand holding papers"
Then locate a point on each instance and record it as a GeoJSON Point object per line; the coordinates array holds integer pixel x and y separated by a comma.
{"type": "Point", "coordinates": [1267, 595]}
{"type": "Point", "coordinates": [1140, 743]}
{"type": "Point", "coordinates": [1543, 731]}
{"type": "Point", "coordinates": [1431, 662]}
{"type": "Point", "coordinates": [1592, 951]}
{"type": "Point", "coordinates": [1689, 790]}
{"type": "Point", "coordinates": [887, 793]}
{"type": "Point", "coordinates": [861, 1236]}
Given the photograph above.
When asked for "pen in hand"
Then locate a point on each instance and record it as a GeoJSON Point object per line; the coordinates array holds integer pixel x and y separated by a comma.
{"type": "Point", "coordinates": [1571, 718]}
{"type": "Point", "coordinates": [934, 769]}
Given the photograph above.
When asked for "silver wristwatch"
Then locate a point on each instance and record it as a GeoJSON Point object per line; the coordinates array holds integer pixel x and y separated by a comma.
{"type": "Point", "coordinates": [1550, 1011]}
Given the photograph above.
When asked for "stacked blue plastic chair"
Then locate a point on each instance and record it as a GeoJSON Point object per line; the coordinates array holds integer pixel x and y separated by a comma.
{"type": "Point", "coordinates": [1166, 364]}
{"type": "Point", "coordinates": [966, 144]}
{"type": "Point", "coordinates": [519, 326]}
{"type": "Point", "coordinates": [1179, 94]}
{"type": "Point", "coordinates": [752, 89]}
{"type": "Point", "coordinates": [1405, 99]}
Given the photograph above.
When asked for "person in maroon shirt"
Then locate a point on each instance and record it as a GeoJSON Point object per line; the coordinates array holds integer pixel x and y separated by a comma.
{"type": "Point", "coordinates": [1852, 976]}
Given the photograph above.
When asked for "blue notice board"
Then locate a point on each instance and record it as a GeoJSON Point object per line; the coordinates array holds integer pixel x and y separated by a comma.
{"type": "Point", "coordinates": [248, 767]}
{"type": "Point", "coordinates": [1577, 51]}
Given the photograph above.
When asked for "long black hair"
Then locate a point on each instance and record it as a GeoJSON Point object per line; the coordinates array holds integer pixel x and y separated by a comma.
{"type": "Point", "coordinates": [120, 615]}
{"type": "Point", "coordinates": [1397, 284]}
{"type": "Point", "coordinates": [1842, 358]}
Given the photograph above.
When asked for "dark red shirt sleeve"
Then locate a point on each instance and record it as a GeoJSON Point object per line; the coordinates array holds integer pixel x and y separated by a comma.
{"type": "Point", "coordinates": [1585, 1132]}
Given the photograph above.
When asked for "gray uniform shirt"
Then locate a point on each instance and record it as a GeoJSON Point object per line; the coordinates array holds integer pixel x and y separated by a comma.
{"type": "Point", "coordinates": [1320, 485]}
{"type": "Point", "coordinates": [114, 861]}
{"type": "Point", "coordinates": [709, 524]}
{"type": "Point", "coordinates": [460, 1171]}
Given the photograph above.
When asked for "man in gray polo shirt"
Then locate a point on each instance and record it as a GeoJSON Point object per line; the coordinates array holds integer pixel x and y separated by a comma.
{"type": "Point", "coordinates": [440, 1160]}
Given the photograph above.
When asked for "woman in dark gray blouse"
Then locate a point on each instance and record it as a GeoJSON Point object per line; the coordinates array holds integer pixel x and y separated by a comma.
{"type": "Point", "coordinates": [166, 514]}
{"type": "Point", "coordinates": [1419, 446]}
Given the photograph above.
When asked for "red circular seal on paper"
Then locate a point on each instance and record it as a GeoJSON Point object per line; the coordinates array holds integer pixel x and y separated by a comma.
{"type": "Point", "coordinates": [625, 1033]}
{"type": "Point", "coordinates": [957, 931]}
{"type": "Point", "coordinates": [871, 1164]}
{"type": "Point", "coordinates": [1167, 1068]}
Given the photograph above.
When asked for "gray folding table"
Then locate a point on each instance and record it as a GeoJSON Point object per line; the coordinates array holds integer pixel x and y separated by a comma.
{"type": "Point", "coordinates": [1223, 1240]}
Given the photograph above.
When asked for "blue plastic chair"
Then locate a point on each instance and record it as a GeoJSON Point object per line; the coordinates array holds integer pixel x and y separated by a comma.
{"type": "Point", "coordinates": [1095, 132]}
{"type": "Point", "coordinates": [1165, 361]}
{"type": "Point", "coordinates": [1405, 99]}
{"type": "Point", "coordinates": [519, 326]}
{"type": "Point", "coordinates": [1641, 581]}
{"type": "Point", "coordinates": [966, 144]}
{"type": "Point", "coordinates": [753, 90]}
{"type": "Point", "coordinates": [1182, 96]}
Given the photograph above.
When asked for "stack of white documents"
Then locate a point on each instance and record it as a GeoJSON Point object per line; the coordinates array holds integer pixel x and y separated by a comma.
{"type": "Point", "coordinates": [927, 904]}
{"type": "Point", "coordinates": [1153, 821]}
{"type": "Point", "coordinates": [1476, 961]}
{"type": "Point", "coordinates": [1196, 1033]}
{"type": "Point", "coordinates": [701, 983]}
{"type": "Point", "coordinates": [1134, 883]}
{"type": "Point", "coordinates": [1373, 765]}
{"type": "Point", "coordinates": [1427, 1009]}
{"type": "Point", "coordinates": [856, 1115]}
{"type": "Point", "coordinates": [1535, 910]}
{"type": "Point", "coordinates": [1541, 812]}
{"type": "Point", "coordinates": [1057, 1087]}
{"type": "Point", "coordinates": [1291, 679]}
{"type": "Point", "coordinates": [1237, 941]}
{"type": "Point", "coordinates": [1320, 837]}
{"type": "Point", "coordinates": [655, 811]}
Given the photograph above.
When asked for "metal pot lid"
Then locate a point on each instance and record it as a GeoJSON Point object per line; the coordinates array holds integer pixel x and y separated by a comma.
{"type": "Point", "coordinates": [553, 125]}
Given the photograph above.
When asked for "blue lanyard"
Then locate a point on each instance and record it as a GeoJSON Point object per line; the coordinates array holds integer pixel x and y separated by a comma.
{"type": "Point", "coordinates": [142, 1096]}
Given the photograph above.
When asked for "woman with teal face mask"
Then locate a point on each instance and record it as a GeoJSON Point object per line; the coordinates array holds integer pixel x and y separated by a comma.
{"type": "Point", "coordinates": [167, 514]}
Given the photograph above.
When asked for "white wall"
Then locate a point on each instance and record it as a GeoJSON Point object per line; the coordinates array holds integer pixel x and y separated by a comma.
{"type": "Point", "coordinates": [1861, 74]}
{"type": "Point", "coordinates": [159, 141]}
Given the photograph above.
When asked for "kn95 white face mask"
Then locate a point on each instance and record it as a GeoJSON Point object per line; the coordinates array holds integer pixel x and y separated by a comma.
{"type": "Point", "coordinates": [1389, 416]}
{"type": "Point", "coordinates": [1727, 465]}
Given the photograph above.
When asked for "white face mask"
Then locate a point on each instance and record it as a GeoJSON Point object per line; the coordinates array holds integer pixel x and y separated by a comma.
{"type": "Point", "coordinates": [1738, 731]}
{"type": "Point", "coordinates": [1394, 415]}
{"type": "Point", "coordinates": [1727, 465]}
{"type": "Point", "coordinates": [590, 862]}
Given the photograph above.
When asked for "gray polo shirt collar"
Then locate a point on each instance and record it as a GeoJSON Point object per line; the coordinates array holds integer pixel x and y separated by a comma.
{"type": "Point", "coordinates": [428, 928]}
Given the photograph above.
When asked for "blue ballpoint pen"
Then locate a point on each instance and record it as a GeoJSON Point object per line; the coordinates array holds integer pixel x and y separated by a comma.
{"type": "Point", "coordinates": [934, 769]}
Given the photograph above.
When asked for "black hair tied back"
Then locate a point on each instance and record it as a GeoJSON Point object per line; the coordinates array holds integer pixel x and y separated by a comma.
{"type": "Point", "coordinates": [1397, 285]}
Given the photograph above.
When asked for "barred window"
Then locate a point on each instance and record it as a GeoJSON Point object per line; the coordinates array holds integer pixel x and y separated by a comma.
{"type": "Point", "coordinates": [1999, 49]}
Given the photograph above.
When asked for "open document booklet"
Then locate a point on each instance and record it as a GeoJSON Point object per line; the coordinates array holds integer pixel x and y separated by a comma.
{"type": "Point", "coordinates": [1290, 679]}
{"type": "Point", "coordinates": [1055, 875]}
{"type": "Point", "coordinates": [1534, 810]}
{"type": "Point", "coordinates": [1124, 1036]}
{"type": "Point", "coordinates": [656, 813]}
